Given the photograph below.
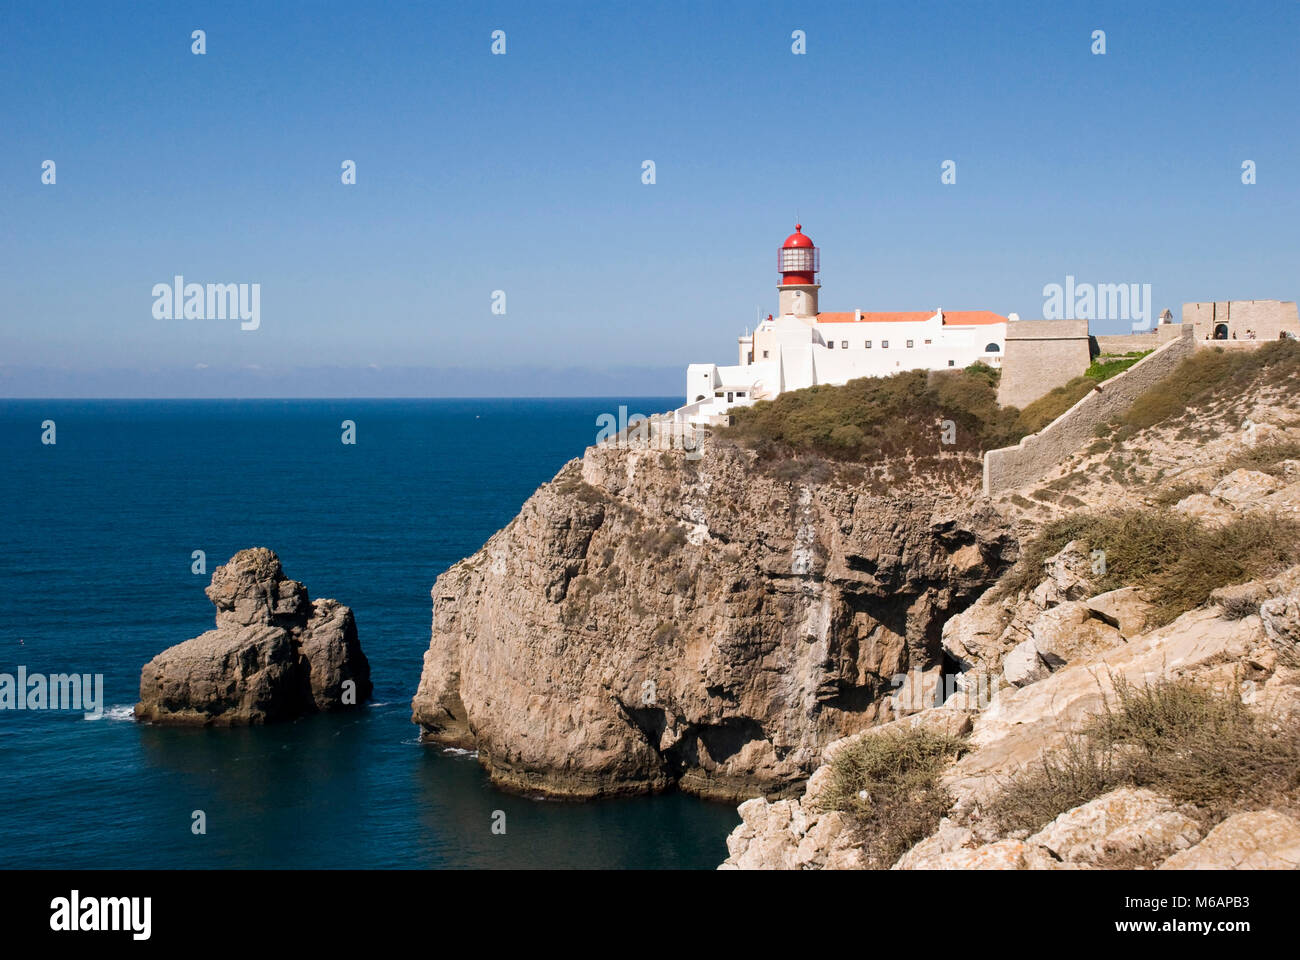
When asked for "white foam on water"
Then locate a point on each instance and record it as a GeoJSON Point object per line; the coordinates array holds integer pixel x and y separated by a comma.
{"type": "Point", "coordinates": [118, 712]}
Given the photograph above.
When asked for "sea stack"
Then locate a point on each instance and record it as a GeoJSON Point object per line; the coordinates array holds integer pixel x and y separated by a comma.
{"type": "Point", "coordinates": [275, 654]}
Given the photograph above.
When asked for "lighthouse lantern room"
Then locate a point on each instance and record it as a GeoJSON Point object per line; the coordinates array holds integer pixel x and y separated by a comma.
{"type": "Point", "coordinates": [798, 262]}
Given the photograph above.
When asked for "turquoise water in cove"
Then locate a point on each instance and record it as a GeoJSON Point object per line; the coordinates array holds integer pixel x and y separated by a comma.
{"type": "Point", "coordinates": [95, 556]}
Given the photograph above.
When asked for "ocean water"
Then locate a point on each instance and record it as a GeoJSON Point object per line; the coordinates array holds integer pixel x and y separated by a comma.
{"type": "Point", "coordinates": [95, 577]}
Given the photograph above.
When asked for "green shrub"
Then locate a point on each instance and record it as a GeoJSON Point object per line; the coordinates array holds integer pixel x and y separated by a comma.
{"type": "Point", "coordinates": [878, 417]}
{"type": "Point", "coordinates": [1105, 367]}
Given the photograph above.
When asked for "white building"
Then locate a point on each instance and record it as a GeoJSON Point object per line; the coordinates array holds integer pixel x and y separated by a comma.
{"type": "Point", "coordinates": [801, 347]}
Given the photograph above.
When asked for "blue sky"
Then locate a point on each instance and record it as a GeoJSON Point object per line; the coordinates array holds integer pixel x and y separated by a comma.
{"type": "Point", "coordinates": [522, 173]}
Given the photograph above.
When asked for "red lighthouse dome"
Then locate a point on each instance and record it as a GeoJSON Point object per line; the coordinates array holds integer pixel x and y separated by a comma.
{"type": "Point", "coordinates": [797, 261]}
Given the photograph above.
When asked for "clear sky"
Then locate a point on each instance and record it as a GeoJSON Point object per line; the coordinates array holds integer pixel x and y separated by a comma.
{"type": "Point", "coordinates": [523, 173]}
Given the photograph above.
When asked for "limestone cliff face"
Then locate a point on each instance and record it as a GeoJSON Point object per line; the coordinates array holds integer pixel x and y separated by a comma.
{"type": "Point", "coordinates": [649, 620]}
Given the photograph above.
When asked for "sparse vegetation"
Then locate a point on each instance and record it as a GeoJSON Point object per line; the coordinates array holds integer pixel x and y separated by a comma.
{"type": "Point", "coordinates": [1213, 372]}
{"type": "Point", "coordinates": [658, 541]}
{"type": "Point", "coordinates": [1266, 457]}
{"type": "Point", "coordinates": [1185, 741]}
{"type": "Point", "coordinates": [888, 784]}
{"type": "Point", "coordinates": [1168, 496]}
{"type": "Point", "coordinates": [1177, 560]}
{"type": "Point", "coordinates": [572, 485]}
{"type": "Point", "coordinates": [664, 634]}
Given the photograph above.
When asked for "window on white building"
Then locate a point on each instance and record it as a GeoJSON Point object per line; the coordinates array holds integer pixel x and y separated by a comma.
{"type": "Point", "coordinates": [927, 343]}
{"type": "Point", "coordinates": [952, 363]}
{"type": "Point", "coordinates": [739, 395]}
{"type": "Point", "coordinates": [909, 344]}
{"type": "Point", "coordinates": [868, 344]}
{"type": "Point", "coordinates": [764, 354]}
{"type": "Point", "coordinates": [990, 348]}
{"type": "Point", "coordinates": [844, 344]}
{"type": "Point", "coordinates": [830, 344]}
{"type": "Point", "coordinates": [884, 344]}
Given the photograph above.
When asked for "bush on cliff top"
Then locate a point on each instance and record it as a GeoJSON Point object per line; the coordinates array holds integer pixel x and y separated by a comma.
{"type": "Point", "coordinates": [1176, 559]}
{"type": "Point", "coordinates": [878, 417]}
{"type": "Point", "coordinates": [888, 785]}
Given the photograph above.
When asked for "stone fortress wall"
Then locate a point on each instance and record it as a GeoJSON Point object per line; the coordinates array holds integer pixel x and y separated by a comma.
{"type": "Point", "coordinates": [1268, 319]}
{"type": "Point", "coordinates": [1031, 459]}
{"type": "Point", "coordinates": [1041, 355]}
{"type": "Point", "coordinates": [1116, 344]}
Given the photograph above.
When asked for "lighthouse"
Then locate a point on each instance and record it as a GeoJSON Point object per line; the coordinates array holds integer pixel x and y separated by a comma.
{"type": "Point", "coordinates": [798, 262]}
{"type": "Point", "coordinates": [802, 346]}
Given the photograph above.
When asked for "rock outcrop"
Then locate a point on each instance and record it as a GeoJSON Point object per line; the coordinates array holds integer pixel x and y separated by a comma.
{"type": "Point", "coordinates": [1219, 646]}
{"type": "Point", "coordinates": [650, 619]}
{"type": "Point", "coordinates": [1040, 663]}
{"type": "Point", "coordinates": [1259, 840]}
{"type": "Point", "coordinates": [275, 654]}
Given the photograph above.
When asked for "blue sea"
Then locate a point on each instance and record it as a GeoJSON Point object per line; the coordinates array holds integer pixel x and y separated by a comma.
{"type": "Point", "coordinates": [96, 543]}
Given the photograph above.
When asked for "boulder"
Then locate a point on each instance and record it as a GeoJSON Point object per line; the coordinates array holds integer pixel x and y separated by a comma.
{"type": "Point", "coordinates": [1071, 632]}
{"type": "Point", "coordinates": [1209, 510]}
{"type": "Point", "coordinates": [1009, 854]}
{"type": "Point", "coordinates": [1067, 576]}
{"type": "Point", "coordinates": [1240, 599]}
{"type": "Point", "coordinates": [1124, 609]}
{"type": "Point", "coordinates": [1263, 840]}
{"type": "Point", "coordinates": [1245, 486]}
{"type": "Point", "coordinates": [1281, 619]}
{"type": "Point", "coordinates": [275, 654]}
{"type": "Point", "coordinates": [1127, 821]}
{"type": "Point", "coordinates": [1023, 664]}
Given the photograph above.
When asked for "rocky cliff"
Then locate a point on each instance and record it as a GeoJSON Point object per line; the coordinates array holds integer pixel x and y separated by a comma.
{"type": "Point", "coordinates": [275, 654]}
{"type": "Point", "coordinates": [651, 619]}
{"type": "Point", "coordinates": [1152, 722]}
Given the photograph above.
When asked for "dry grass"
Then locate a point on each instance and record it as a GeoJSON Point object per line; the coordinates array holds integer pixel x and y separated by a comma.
{"type": "Point", "coordinates": [1212, 373]}
{"type": "Point", "coordinates": [888, 785]}
{"type": "Point", "coordinates": [660, 542]}
{"type": "Point", "coordinates": [1176, 559]}
{"type": "Point", "coordinates": [1168, 496]}
{"type": "Point", "coordinates": [1266, 458]}
{"type": "Point", "coordinates": [1182, 740]}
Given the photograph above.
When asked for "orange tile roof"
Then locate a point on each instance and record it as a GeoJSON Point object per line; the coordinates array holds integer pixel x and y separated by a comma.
{"type": "Point", "coordinates": [958, 318]}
